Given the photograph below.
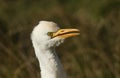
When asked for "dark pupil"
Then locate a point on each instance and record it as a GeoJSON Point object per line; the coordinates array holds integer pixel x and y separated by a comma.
{"type": "Point", "coordinates": [50, 33]}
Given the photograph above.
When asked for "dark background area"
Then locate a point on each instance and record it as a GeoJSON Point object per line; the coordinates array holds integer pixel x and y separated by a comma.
{"type": "Point", "coordinates": [93, 54]}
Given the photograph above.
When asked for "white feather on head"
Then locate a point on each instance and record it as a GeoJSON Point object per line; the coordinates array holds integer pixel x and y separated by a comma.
{"type": "Point", "coordinates": [39, 35]}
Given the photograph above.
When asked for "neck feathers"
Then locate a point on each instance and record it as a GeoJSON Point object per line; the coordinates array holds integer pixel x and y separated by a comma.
{"type": "Point", "coordinates": [50, 64]}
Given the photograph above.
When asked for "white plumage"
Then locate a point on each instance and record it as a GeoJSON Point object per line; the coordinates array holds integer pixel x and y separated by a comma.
{"type": "Point", "coordinates": [45, 37]}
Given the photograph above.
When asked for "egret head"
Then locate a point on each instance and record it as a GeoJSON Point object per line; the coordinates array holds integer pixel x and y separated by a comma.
{"type": "Point", "coordinates": [49, 34]}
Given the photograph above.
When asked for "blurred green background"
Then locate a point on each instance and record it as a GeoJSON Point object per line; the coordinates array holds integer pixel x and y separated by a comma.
{"type": "Point", "coordinates": [93, 54]}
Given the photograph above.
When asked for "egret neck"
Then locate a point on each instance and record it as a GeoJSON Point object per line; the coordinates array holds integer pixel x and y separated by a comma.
{"type": "Point", "coordinates": [50, 64]}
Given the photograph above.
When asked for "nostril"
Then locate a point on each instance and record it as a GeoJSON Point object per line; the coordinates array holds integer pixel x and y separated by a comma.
{"type": "Point", "coordinates": [62, 30]}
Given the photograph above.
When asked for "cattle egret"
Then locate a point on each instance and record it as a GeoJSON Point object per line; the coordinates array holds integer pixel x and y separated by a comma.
{"type": "Point", "coordinates": [45, 37]}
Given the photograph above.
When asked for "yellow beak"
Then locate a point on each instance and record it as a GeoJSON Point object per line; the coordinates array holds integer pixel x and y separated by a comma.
{"type": "Point", "coordinates": [66, 33]}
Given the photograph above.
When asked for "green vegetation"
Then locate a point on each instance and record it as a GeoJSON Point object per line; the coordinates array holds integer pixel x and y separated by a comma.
{"type": "Point", "coordinates": [94, 54]}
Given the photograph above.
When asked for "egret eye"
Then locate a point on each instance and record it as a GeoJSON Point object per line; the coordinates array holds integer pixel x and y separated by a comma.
{"type": "Point", "coordinates": [50, 34]}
